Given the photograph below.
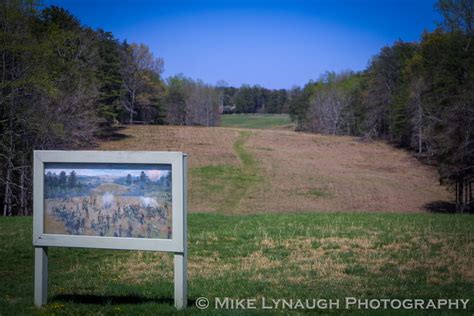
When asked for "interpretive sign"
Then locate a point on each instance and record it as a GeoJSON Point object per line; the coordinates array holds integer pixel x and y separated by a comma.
{"type": "Point", "coordinates": [110, 200]}
{"type": "Point", "coordinates": [116, 200]}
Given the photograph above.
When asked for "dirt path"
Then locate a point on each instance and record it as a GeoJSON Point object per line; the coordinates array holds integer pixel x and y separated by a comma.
{"type": "Point", "coordinates": [232, 171]}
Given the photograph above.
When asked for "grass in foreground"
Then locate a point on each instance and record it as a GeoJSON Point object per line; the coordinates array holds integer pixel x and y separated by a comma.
{"type": "Point", "coordinates": [256, 120]}
{"type": "Point", "coordinates": [309, 255]}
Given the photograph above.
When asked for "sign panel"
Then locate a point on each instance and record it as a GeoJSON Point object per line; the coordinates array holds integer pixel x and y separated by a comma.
{"type": "Point", "coordinates": [114, 200]}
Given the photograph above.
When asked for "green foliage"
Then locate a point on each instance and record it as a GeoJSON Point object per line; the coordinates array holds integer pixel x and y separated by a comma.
{"type": "Point", "coordinates": [63, 83]}
{"type": "Point", "coordinates": [110, 76]}
{"type": "Point", "coordinates": [48, 92]}
{"type": "Point", "coordinates": [255, 99]}
{"type": "Point", "coordinates": [277, 101]}
{"type": "Point", "coordinates": [447, 64]}
{"type": "Point", "coordinates": [458, 15]}
{"type": "Point", "coordinates": [386, 81]}
{"type": "Point", "coordinates": [299, 104]}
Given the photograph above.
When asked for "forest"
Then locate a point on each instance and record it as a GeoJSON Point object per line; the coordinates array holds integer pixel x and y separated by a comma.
{"type": "Point", "coordinates": [415, 95]}
{"type": "Point", "coordinates": [64, 85]}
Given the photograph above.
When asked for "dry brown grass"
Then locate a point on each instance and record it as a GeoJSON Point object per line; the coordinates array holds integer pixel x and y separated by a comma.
{"type": "Point", "coordinates": [350, 175]}
{"type": "Point", "coordinates": [344, 174]}
{"type": "Point", "coordinates": [140, 267]}
{"type": "Point", "coordinates": [309, 260]}
{"type": "Point", "coordinates": [204, 145]}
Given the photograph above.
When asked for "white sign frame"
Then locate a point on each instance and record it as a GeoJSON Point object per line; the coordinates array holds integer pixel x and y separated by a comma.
{"type": "Point", "coordinates": [177, 244]}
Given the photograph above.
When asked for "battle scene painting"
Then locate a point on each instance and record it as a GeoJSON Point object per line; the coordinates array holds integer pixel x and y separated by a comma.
{"type": "Point", "coordinates": [113, 200]}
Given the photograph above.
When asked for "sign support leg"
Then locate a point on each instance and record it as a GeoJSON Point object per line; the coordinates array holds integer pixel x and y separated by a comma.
{"type": "Point", "coordinates": [180, 284]}
{"type": "Point", "coordinates": [41, 276]}
{"type": "Point", "coordinates": [181, 258]}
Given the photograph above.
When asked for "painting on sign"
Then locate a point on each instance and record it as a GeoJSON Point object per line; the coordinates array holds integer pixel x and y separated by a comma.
{"type": "Point", "coordinates": [113, 200]}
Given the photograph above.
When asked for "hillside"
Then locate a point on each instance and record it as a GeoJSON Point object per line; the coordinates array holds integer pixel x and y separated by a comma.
{"type": "Point", "coordinates": [240, 171]}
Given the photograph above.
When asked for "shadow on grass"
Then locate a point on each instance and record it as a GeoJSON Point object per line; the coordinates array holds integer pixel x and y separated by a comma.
{"type": "Point", "coordinates": [111, 133]}
{"type": "Point", "coordinates": [113, 299]}
{"type": "Point", "coordinates": [441, 207]}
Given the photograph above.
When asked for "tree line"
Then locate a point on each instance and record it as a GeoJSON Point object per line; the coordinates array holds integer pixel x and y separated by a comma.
{"type": "Point", "coordinates": [63, 84]}
{"type": "Point", "coordinates": [252, 99]}
{"type": "Point", "coordinates": [417, 95]}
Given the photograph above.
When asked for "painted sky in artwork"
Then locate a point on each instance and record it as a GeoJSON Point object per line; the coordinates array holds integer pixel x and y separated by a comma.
{"type": "Point", "coordinates": [117, 173]}
{"type": "Point", "coordinates": [154, 172]}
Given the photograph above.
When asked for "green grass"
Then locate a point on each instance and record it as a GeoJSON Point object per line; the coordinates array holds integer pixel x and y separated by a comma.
{"type": "Point", "coordinates": [249, 165]}
{"type": "Point", "coordinates": [227, 185]}
{"type": "Point", "coordinates": [255, 120]}
{"type": "Point", "coordinates": [308, 255]}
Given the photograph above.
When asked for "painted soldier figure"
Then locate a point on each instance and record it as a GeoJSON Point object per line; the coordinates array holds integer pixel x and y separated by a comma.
{"type": "Point", "coordinates": [148, 230]}
{"type": "Point", "coordinates": [85, 207]}
{"type": "Point", "coordinates": [129, 231]}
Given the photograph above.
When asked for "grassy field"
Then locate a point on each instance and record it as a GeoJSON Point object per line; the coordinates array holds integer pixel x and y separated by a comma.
{"type": "Point", "coordinates": [256, 121]}
{"type": "Point", "coordinates": [307, 255]}
{"type": "Point", "coordinates": [273, 214]}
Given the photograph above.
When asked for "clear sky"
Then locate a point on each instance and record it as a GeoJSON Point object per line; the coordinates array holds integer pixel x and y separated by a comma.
{"type": "Point", "coordinates": [276, 44]}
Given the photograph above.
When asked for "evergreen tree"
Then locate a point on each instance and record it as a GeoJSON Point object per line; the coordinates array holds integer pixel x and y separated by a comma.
{"type": "Point", "coordinates": [62, 179]}
{"type": "Point", "coordinates": [110, 78]}
{"type": "Point", "coordinates": [72, 180]}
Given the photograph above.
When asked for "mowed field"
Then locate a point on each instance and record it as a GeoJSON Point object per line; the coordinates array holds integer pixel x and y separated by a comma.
{"type": "Point", "coordinates": [243, 171]}
{"type": "Point", "coordinates": [291, 256]}
{"type": "Point", "coordinates": [274, 121]}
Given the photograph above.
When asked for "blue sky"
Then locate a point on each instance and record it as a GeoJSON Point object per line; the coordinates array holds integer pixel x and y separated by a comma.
{"type": "Point", "coordinates": [276, 44]}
